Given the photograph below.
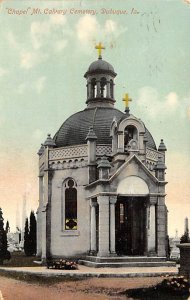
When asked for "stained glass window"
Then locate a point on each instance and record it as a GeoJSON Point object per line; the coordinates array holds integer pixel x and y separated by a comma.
{"type": "Point", "coordinates": [70, 205]}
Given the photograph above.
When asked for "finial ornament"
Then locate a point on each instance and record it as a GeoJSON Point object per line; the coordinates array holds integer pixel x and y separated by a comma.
{"type": "Point", "coordinates": [99, 47]}
{"type": "Point", "coordinates": [126, 99]}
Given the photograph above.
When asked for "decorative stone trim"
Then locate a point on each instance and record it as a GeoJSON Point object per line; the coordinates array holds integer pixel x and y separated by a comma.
{"type": "Point", "coordinates": [153, 200]}
{"type": "Point", "coordinates": [152, 155]}
{"type": "Point", "coordinates": [70, 233]}
{"type": "Point", "coordinates": [68, 164]}
{"type": "Point", "coordinates": [77, 152]}
{"type": "Point", "coordinates": [93, 203]}
{"type": "Point", "coordinates": [68, 152]}
{"type": "Point", "coordinates": [113, 199]}
{"type": "Point", "coordinates": [150, 165]}
{"type": "Point", "coordinates": [103, 150]}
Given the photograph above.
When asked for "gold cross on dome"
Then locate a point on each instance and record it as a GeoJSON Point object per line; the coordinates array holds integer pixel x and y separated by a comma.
{"type": "Point", "coordinates": [126, 99]}
{"type": "Point", "coordinates": [99, 47]}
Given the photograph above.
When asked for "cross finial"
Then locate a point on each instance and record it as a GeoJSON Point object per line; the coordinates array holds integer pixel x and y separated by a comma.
{"type": "Point", "coordinates": [126, 99]}
{"type": "Point", "coordinates": [99, 47]}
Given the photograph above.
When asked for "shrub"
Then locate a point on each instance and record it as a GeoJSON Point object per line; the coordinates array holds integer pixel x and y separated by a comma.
{"type": "Point", "coordinates": [4, 253]}
{"type": "Point", "coordinates": [177, 285]}
{"type": "Point", "coordinates": [62, 264]}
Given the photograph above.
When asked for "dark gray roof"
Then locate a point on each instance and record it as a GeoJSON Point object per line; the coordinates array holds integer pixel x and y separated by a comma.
{"type": "Point", "coordinates": [100, 66]}
{"type": "Point", "coordinates": [75, 129]}
{"type": "Point", "coordinates": [151, 142]}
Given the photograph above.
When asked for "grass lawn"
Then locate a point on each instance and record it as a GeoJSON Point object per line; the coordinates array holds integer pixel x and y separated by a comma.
{"type": "Point", "coordinates": [19, 259]}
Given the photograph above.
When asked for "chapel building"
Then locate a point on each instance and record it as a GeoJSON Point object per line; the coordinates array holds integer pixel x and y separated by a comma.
{"type": "Point", "coordinates": [102, 181]}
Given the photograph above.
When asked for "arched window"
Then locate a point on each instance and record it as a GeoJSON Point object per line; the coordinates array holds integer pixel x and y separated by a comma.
{"type": "Point", "coordinates": [130, 133]}
{"type": "Point", "coordinates": [88, 89]}
{"type": "Point", "coordinates": [94, 88]}
{"type": "Point", "coordinates": [111, 88]}
{"type": "Point", "coordinates": [70, 205]}
{"type": "Point", "coordinates": [103, 87]}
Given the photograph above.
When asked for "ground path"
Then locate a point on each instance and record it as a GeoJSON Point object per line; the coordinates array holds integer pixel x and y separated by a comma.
{"type": "Point", "coordinates": [87, 289]}
{"type": "Point", "coordinates": [43, 284]}
{"type": "Point", "coordinates": [84, 271]}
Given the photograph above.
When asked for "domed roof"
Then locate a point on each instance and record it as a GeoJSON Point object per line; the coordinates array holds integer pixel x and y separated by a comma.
{"type": "Point", "coordinates": [75, 129]}
{"type": "Point", "coordinates": [100, 65]}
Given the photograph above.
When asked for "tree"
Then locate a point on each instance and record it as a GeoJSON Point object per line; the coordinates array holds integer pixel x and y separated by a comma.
{"type": "Point", "coordinates": [30, 236]}
{"type": "Point", "coordinates": [26, 238]}
{"type": "Point", "coordinates": [4, 253]}
{"type": "Point", "coordinates": [185, 237]}
{"type": "Point", "coordinates": [32, 233]}
{"type": "Point", "coordinates": [7, 228]}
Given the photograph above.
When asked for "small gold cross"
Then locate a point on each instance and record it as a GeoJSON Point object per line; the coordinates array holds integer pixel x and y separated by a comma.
{"type": "Point", "coordinates": [99, 47]}
{"type": "Point", "coordinates": [126, 99]}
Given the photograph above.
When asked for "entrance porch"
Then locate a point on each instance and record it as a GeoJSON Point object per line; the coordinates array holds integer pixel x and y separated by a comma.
{"type": "Point", "coordinates": [123, 226]}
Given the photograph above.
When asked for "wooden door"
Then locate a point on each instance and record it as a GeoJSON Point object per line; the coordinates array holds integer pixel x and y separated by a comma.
{"type": "Point", "coordinates": [130, 226]}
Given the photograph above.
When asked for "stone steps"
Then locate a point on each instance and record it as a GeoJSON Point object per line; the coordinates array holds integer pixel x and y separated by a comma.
{"type": "Point", "coordinates": [125, 259]}
{"type": "Point", "coordinates": [125, 262]}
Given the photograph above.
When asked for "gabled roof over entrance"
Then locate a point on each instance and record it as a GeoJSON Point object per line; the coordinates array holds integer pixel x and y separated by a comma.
{"type": "Point", "coordinates": [130, 161]}
{"type": "Point", "coordinates": [132, 178]}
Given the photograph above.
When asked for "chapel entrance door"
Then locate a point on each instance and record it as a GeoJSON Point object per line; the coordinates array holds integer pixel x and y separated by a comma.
{"type": "Point", "coordinates": [130, 225]}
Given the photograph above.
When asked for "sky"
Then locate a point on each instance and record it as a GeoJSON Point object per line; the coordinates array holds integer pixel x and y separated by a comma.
{"type": "Point", "coordinates": [45, 49]}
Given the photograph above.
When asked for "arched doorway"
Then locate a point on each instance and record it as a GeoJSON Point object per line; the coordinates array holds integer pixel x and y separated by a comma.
{"type": "Point", "coordinates": [131, 216]}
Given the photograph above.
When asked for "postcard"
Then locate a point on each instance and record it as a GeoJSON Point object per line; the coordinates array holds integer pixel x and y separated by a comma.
{"type": "Point", "coordinates": [71, 73]}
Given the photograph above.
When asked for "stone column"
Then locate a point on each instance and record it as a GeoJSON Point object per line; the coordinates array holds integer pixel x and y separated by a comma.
{"type": "Point", "coordinates": [93, 246]}
{"type": "Point", "coordinates": [161, 226]}
{"type": "Point", "coordinates": [113, 200]}
{"type": "Point", "coordinates": [103, 202]}
{"type": "Point", "coordinates": [43, 249]}
{"type": "Point", "coordinates": [113, 90]}
{"type": "Point", "coordinates": [49, 215]}
{"type": "Point", "coordinates": [98, 89]}
{"type": "Point", "coordinates": [39, 217]}
{"type": "Point", "coordinates": [152, 226]}
{"type": "Point", "coordinates": [108, 90]}
{"type": "Point", "coordinates": [147, 212]}
{"type": "Point", "coordinates": [120, 141]}
{"type": "Point", "coordinates": [39, 233]}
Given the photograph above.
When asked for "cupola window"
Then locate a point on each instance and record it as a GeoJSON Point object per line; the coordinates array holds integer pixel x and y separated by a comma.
{"type": "Point", "coordinates": [94, 88]}
{"type": "Point", "coordinates": [130, 133]}
{"type": "Point", "coordinates": [103, 87]}
{"type": "Point", "coordinates": [111, 89]}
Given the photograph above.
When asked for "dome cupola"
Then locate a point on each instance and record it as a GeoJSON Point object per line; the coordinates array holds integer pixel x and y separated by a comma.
{"type": "Point", "coordinates": [100, 82]}
{"type": "Point", "coordinates": [100, 111]}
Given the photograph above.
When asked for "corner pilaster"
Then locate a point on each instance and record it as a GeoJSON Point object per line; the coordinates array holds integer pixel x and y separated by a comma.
{"type": "Point", "coordinates": [93, 246]}
{"type": "Point", "coordinates": [113, 200]}
{"type": "Point", "coordinates": [103, 202]}
{"type": "Point", "coordinates": [152, 226]}
{"type": "Point", "coordinates": [161, 226]}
